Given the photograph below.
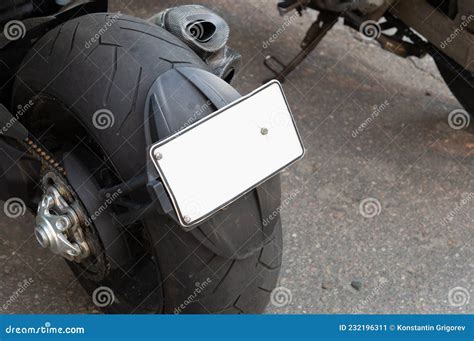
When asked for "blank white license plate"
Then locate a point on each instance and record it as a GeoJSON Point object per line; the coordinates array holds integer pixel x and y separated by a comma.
{"type": "Point", "coordinates": [218, 159]}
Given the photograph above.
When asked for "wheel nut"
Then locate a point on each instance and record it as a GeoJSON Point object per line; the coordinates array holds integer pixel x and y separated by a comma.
{"type": "Point", "coordinates": [63, 223]}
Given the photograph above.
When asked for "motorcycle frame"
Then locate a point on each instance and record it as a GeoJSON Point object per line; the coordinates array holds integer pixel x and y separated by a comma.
{"type": "Point", "coordinates": [437, 27]}
{"type": "Point", "coordinates": [429, 24]}
{"type": "Point", "coordinates": [435, 24]}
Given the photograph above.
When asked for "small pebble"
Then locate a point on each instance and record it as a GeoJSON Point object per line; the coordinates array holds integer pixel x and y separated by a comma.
{"type": "Point", "coordinates": [326, 285]}
{"type": "Point", "coordinates": [356, 285]}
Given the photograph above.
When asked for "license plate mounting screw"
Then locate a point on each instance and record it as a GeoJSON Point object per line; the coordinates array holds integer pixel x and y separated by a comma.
{"type": "Point", "coordinates": [158, 156]}
{"type": "Point", "coordinates": [264, 131]}
{"type": "Point", "coordinates": [187, 219]}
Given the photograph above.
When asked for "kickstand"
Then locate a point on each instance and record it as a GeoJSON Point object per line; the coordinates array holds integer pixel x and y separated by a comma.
{"type": "Point", "coordinates": [326, 20]}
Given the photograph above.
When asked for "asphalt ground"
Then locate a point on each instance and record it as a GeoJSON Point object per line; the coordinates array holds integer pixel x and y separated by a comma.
{"type": "Point", "coordinates": [407, 163]}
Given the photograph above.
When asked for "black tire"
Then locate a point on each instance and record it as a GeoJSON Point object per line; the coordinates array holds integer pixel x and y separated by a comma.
{"type": "Point", "coordinates": [459, 80]}
{"type": "Point", "coordinates": [10, 4]}
{"type": "Point", "coordinates": [69, 83]}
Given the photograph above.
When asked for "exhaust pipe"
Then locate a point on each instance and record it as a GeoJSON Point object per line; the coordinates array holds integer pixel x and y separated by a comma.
{"type": "Point", "coordinates": [206, 33]}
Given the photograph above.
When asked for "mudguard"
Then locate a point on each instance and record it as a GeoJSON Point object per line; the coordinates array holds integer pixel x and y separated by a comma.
{"type": "Point", "coordinates": [180, 97]}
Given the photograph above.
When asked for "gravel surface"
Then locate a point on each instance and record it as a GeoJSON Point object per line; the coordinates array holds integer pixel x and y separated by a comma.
{"type": "Point", "coordinates": [367, 231]}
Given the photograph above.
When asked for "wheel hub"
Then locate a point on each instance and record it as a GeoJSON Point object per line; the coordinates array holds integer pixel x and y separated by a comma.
{"type": "Point", "coordinates": [58, 221]}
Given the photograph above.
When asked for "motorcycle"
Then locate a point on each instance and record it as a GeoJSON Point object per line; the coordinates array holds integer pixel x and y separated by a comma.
{"type": "Point", "coordinates": [146, 170]}
{"type": "Point", "coordinates": [443, 29]}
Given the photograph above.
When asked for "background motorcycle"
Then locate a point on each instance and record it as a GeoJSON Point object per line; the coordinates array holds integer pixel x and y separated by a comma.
{"type": "Point", "coordinates": [92, 90]}
{"type": "Point", "coordinates": [442, 28]}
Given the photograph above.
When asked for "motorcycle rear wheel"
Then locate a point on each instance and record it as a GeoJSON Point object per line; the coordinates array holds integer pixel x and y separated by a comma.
{"type": "Point", "coordinates": [68, 83]}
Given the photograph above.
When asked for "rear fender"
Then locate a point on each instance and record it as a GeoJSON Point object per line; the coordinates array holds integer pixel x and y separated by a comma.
{"type": "Point", "coordinates": [180, 97]}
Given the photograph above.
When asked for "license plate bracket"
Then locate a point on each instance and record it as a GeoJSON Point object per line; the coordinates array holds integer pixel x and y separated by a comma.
{"type": "Point", "coordinates": [220, 158]}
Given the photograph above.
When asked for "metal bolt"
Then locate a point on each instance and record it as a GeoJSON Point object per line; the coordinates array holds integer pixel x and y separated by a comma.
{"type": "Point", "coordinates": [158, 156]}
{"type": "Point", "coordinates": [187, 219]}
{"type": "Point", "coordinates": [46, 203]}
{"type": "Point", "coordinates": [264, 131]}
{"type": "Point", "coordinates": [63, 223]}
{"type": "Point", "coordinates": [76, 251]}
